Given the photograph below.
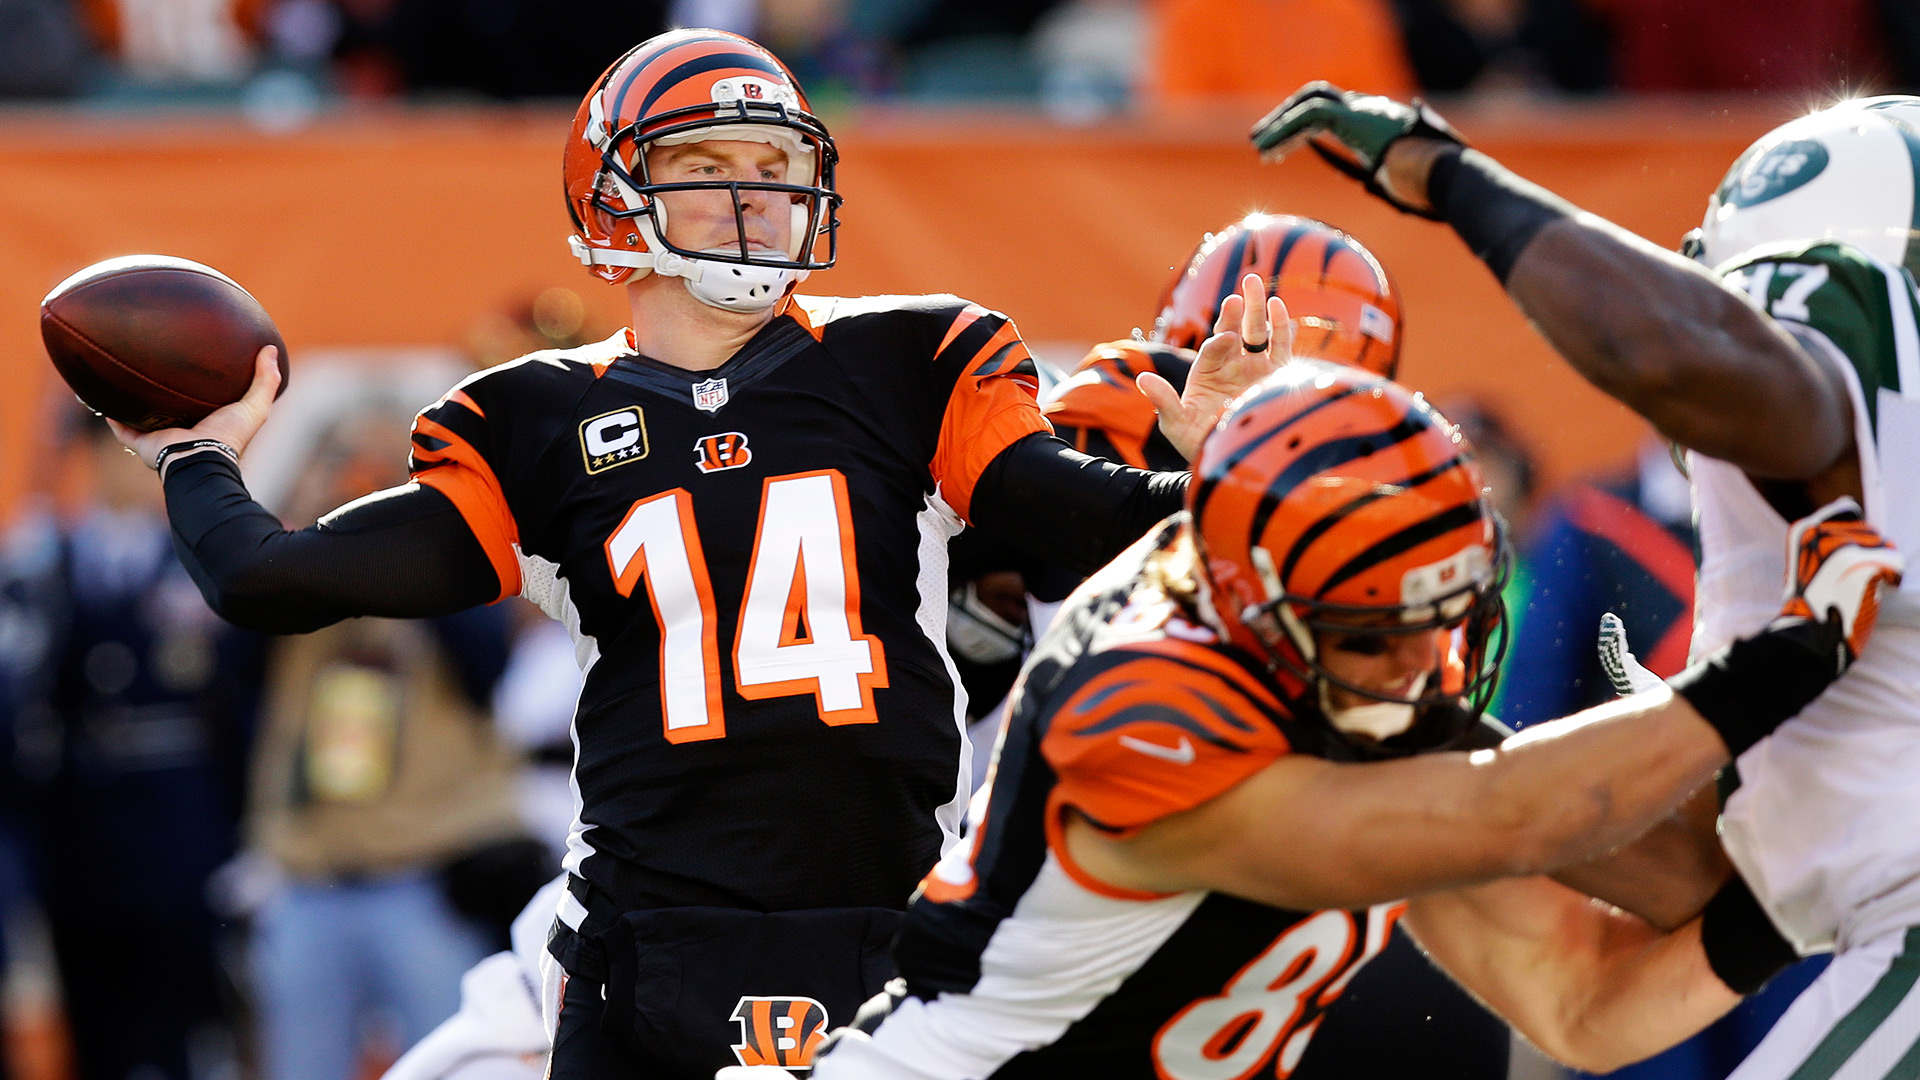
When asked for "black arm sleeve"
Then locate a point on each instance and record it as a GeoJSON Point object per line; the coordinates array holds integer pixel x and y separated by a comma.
{"type": "Point", "coordinates": [1065, 507]}
{"type": "Point", "coordinates": [401, 553]}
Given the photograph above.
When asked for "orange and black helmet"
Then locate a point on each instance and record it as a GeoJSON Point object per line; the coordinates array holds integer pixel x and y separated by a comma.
{"type": "Point", "coordinates": [1343, 305]}
{"type": "Point", "coordinates": [1329, 499]}
{"type": "Point", "coordinates": [688, 86]}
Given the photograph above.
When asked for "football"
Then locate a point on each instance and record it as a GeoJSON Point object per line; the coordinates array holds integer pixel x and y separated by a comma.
{"type": "Point", "coordinates": [154, 341]}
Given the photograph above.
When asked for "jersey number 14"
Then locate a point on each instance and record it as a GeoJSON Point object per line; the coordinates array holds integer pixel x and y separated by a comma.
{"type": "Point", "coordinates": [799, 630]}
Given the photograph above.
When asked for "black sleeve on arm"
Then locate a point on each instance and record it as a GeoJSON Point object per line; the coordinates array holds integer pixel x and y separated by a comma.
{"type": "Point", "coordinates": [1061, 505]}
{"type": "Point", "coordinates": [1495, 212]}
{"type": "Point", "coordinates": [403, 553]}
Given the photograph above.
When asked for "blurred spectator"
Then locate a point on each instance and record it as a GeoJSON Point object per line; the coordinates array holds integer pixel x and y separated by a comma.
{"type": "Point", "coordinates": [384, 799]}
{"type": "Point", "coordinates": [533, 712]}
{"type": "Point", "coordinates": [43, 49]}
{"type": "Point", "coordinates": [506, 49]}
{"type": "Point", "coordinates": [130, 743]}
{"type": "Point", "coordinates": [554, 318]}
{"type": "Point", "coordinates": [1092, 56]}
{"type": "Point", "coordinates": [1820, 46]}
{"type": "Point", "coordinates": [177, 40]}
{"type": "Point", "coordinates": [1267, 48]}
{"type": "Point", "coordinates": [1457, 45]}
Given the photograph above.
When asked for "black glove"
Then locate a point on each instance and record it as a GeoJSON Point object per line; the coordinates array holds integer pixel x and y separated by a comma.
{"type": "Point", "coordinates": [1352, 131]}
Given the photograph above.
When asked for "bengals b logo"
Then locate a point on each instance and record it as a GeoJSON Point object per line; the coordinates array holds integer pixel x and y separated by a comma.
{"type": "Point", "coordinates": [779, 1031]}
{"type": "Point", "coordinates": [724, 451]}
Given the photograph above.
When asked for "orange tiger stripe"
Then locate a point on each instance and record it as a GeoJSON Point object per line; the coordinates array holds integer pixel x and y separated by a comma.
{"type": "Point", "coordinates": [993, 405]}
{"type": "Point", "coordinates": [1150, 737]}
{"type": "Point", "coordinates": [461, 474]}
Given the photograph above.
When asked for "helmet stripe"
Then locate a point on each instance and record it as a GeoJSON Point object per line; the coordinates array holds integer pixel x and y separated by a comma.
{"type": "Point", "coordinates": [707, 63]}
{"type": "Point", "coordinates": [1320, 528]}
{"type": "Point", "coordinates": [1329, 455]}
{"type": "Point", "coordinates": [1230, 275]}
{"type": "Point", "coordinates": [1405, 540]}
{"type": "Point", "coordinates": [1241, 453]}
{"type": "Point", "coordinates": [639, 67]}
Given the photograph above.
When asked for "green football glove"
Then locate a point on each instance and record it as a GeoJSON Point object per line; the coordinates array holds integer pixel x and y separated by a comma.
{"type": "Point", "coordinates": [1352, 131]}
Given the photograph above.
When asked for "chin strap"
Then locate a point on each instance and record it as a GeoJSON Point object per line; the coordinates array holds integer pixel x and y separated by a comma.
{"type": "Point", "coordinates": [730, 286]}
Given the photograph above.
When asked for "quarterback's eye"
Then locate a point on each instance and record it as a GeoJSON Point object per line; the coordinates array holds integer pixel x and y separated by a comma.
{"type": "Point", "coordinates": [1358, 644]}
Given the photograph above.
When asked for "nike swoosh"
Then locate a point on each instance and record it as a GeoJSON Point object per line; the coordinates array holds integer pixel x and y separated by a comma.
{"type": "Point", "coordinates": [1179, 755]}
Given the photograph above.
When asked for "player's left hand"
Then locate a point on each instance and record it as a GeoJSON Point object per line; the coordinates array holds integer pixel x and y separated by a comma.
{"type": "Point", "coordinates": [1837, 566]}
{"type": "Point", "coordinates": [1625, 671]}
{"type": "Point", "coordinates": [1250, 341]}
{"type": "Point", "coordinates": [1353, 132]}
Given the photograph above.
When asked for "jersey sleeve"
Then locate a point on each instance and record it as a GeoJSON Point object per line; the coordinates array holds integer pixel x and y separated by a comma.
{"type": "Point", "coordinates": [447, 455]}
{"type": "Point", "coordinates": [1153, 735]}
{"type": "Point", "coordinates": [993, 402]}
{"type": "Point", "coordinates": [1863, 307]}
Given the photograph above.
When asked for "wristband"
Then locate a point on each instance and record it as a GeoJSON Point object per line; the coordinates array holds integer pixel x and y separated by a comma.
{"type": "Point", "coordinates": [1743, 947]}
{"type": "Point", "coordinates": [190, 446]}
{"type": "Point", "coordinates": [1756, 684]}
{"type": "Point", "coordinates": [1497, 213]}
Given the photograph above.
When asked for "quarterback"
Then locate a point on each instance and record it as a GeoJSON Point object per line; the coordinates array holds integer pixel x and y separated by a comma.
{"type": "Point", "coordinates": [1226, 766]}
{"type": "Point", "coordinates": [1787, 365]}
{"type": "Point", "coordinates": [740, 507]}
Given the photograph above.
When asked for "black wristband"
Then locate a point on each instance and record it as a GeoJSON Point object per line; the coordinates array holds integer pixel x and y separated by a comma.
{"type": "Point", "coordinates": [1743, 947]}
{"type": "Point", "coordinates": [1756, 684]}
{"type": "Point", "coordinates": [172, 450]}
{"type": "Point", "coordinates": [1497, 213]}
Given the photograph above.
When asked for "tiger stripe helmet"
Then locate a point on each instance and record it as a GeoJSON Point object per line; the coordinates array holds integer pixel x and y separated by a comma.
{"type": "Point", "coordinates": [1330, 499]}
{"type": "Point", "coordinates": [1343, 304]}
{"type": "Point", "coordinates": [689, 86]}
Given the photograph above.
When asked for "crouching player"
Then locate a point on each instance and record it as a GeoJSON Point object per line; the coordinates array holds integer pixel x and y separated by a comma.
{"type": "Point", "coordinates": [1216, 785]}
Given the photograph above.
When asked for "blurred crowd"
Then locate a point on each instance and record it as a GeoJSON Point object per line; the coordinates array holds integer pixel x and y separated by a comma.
{"type": "Point", "coordinates": [1077, 59]}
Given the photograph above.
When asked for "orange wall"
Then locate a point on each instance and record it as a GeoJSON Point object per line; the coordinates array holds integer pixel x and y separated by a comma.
{"type": "Point", "coordinates": [404, 228]}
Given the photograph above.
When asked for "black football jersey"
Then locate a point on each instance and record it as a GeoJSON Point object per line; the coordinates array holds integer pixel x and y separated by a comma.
{"type": "Point", "coordinates": [752, 561]}
{"type": "Point", "coordinates": [1020, 964]}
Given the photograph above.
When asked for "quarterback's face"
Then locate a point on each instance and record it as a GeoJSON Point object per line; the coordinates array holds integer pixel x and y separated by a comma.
{"type": "Point", "coordinates": [1390, 665]}
{"type": "Point", "coordinates": [704, 220]}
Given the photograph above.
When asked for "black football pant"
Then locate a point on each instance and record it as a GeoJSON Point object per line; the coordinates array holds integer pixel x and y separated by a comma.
{"type": "Point", "coordinates": [583, 1051]}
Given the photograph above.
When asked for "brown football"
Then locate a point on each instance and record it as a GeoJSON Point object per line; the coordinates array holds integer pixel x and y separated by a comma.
{"type": "Point", "coordinates": [154, 341]}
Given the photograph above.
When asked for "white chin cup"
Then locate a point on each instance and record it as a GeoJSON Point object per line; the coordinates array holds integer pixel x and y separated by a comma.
{"type": "Point", "coordinates": [1378, 721]}
{"type": "Point", "coordinates": [730, 286]}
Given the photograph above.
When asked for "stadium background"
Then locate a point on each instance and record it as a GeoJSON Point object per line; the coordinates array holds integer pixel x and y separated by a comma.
{"type": "Point", "coordinates": [384, 176]}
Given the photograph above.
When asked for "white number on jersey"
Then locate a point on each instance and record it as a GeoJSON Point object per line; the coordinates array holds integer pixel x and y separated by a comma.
{"type": "Point", "coordinates": [1262, 1009]}
{"type": "Point", "coordinates": [799, 629]}
{"type": "Point", "coordinates": [1792, 303]}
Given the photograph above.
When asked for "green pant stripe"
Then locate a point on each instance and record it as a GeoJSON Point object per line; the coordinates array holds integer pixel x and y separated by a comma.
{"type": "Point", "coordinates": [1908, 1065]}
{"type": "Point", "coordinates": [1854, 1028]}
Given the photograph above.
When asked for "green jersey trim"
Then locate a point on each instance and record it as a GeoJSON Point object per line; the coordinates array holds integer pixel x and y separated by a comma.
{"type": "Point", "coordinates": [1865, 307]}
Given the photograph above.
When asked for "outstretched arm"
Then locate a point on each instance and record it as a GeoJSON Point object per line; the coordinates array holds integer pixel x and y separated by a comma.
{"type": "Point", "coordinates": [401, 553]}
{"type": "Point", "coordinates": [1553, 795]}
{"type": "Point", "coordinates": [1646, 326]}
{"type": "Point", "coordinates": [1591, 987]}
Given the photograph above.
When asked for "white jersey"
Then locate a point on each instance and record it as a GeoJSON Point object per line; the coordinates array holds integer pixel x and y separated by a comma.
{"type": "Point", "coordinates": [1824, 824]}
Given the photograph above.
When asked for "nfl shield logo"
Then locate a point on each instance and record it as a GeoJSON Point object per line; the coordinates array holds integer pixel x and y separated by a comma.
{"type": "Point", "coordinates": [710, 395]}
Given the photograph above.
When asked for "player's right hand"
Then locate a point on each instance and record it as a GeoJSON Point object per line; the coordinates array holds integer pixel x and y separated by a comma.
{"type": "Point", "coordinates": [1353, 132]}
{"type": "Point", "coordinates": [234, 424]}
{"type": "Point", "coordinates": [1836, 565]}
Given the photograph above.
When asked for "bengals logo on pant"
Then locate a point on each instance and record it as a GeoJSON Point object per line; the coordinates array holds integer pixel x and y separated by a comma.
{"type": "Point", "coordinates": [779, 1031]}
{"type": "Point", "coordinates": [727, 450]}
